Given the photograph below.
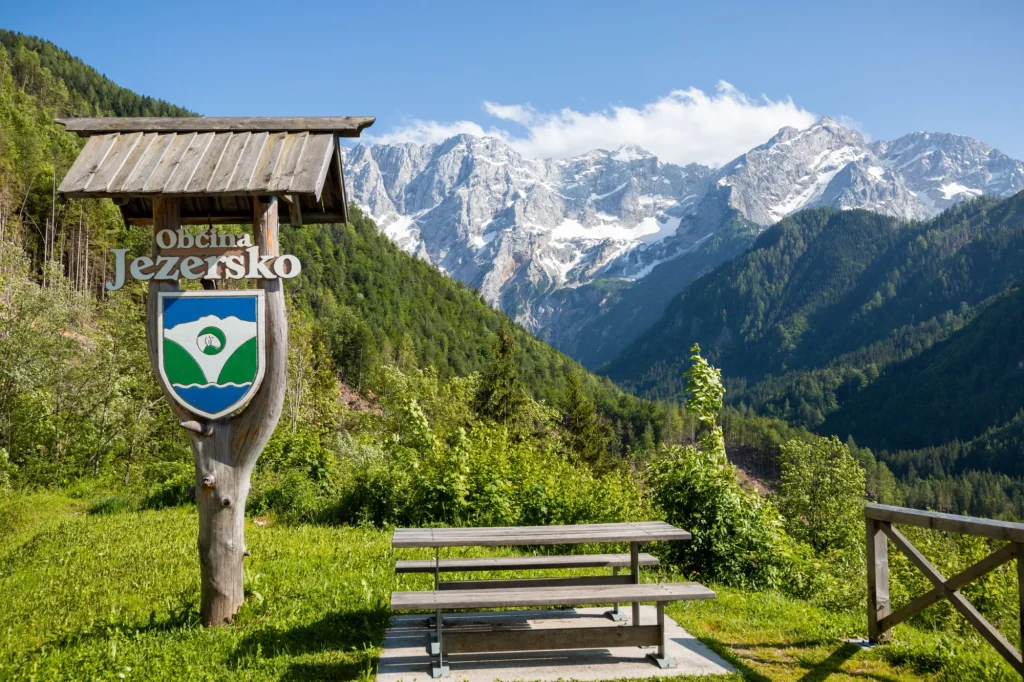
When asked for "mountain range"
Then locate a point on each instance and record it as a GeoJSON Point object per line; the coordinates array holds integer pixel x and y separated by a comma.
{"type": "Point", "coordinates": [587, 252]}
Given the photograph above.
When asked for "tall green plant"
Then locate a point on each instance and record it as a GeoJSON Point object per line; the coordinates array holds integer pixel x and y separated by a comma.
{"type": "Point", "coordinates": [821, 494]}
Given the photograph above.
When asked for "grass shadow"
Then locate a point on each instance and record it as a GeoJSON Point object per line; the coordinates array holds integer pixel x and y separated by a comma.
{"type": "Point", "coordinates": [817, 672]}
{"type": "Point", "coordinates": [348, 631]}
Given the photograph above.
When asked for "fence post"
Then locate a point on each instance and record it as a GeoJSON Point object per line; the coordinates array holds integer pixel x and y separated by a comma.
{"type": "Point", "coordinates": [878, 580]}
{"type": "Point", "coordinates": [1018, 548]}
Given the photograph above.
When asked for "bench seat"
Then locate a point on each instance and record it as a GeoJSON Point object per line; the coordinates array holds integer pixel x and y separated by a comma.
{"type": "Point", "coordinates": [522, 563]}
{"type": "Point", "coordinates": [548, 596]}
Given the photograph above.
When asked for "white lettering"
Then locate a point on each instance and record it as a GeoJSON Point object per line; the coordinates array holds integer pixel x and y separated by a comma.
{"type": "Point", "coordinates": [202, 240]}
{"type": "Point", "coordinates": [186, 266]}
{"type": "Point", "coordinates": [165, 239]}
{"type": "Point", "coordinates": [212, 267]}
{"type": "Point", "coordinates": [245, 241]}
{"type": "Point", "coordinates": [166, 270]}
{"type": "Point", "coordinates": [293, 269]}
{"type": "Point", "coordinates": [118, 282]}
{"type": "Point", "coordinates": [185, 240]}
{"type": "Point", "coordinates": [227, 241]}
{"type": "Point", "coordinates": [258, 265]}
{"type": "Point", "coordinates": [138, 265]}
{"type": "Point", "coordinates": [235, 266]}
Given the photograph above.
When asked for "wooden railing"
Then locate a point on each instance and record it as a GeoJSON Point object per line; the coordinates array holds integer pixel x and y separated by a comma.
{"type": "Point", "coordinates": [880, 519]}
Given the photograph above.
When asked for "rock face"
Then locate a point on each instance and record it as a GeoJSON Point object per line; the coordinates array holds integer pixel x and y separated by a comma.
{"type": "Point", "coordinates": [522, 230]}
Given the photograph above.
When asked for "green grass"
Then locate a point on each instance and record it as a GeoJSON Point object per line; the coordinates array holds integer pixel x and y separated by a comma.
{"type": "Point", "coordinates": [99, 596]}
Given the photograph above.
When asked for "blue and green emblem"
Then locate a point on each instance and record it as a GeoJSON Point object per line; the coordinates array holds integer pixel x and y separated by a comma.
{"type": "Point", "coordinates": [213, 350]}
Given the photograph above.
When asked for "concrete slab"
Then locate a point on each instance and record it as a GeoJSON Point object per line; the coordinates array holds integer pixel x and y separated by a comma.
{"type": "Point", "coordinates": [405, 658]}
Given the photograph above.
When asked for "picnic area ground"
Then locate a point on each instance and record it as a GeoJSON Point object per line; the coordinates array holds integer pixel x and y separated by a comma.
{"type": "Point", "coordinates": [90, 591]}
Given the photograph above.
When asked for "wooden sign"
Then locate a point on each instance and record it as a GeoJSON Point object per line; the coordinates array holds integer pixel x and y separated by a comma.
{"type": "Point", "coordinates": [220, 354]}
{"type": "Point", "coordinates": [208, 255]}
{"type": "Point", "coordinates": [212, 357]}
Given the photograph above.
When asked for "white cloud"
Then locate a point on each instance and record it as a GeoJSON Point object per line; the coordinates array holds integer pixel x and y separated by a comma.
{"type": "Point", "coordinates": [682, 127]}
{"type": "Point", "coordinates": [430, 132]}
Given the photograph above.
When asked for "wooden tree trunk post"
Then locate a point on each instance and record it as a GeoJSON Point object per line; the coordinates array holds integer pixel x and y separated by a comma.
{"type": "Point", "coordinates": [878, 580]}
{"type": "Point", "coordinates": [226, 450]}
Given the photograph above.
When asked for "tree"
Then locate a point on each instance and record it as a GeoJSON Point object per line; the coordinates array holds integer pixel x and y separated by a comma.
{"type": "Point", "coordinates": [584, 432]}
{"type": "Point", "coordinates": [704, 394]}
{"type": "Point", "coordinates": [821, 493]}
{"type": "Point", "coordinates": [501, 395]}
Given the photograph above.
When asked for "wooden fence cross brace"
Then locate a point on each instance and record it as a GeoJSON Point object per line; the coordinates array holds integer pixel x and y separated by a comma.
{"type": "Point", "coordinates": [879, 527]}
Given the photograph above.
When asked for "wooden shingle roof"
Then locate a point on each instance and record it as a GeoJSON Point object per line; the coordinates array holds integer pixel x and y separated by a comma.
{"type": "Point", "coordinates": [214, 165]}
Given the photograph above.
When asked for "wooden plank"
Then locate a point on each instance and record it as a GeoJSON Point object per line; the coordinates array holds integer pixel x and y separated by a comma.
{"type": "Point", "coordinates": [188, 164]}
{"type": "Point", "coordinates": [345, 126]}
{"type": "Point", "coordinates": [878, 579]}
{"type": "Point", "coordinates": [548, 596]}
{"type": "Point", "coordinates": [287, 167]}
{"type": "Point", "coordinates": [1018, 551]}
{"type": "Point", "coordinates": [966, 609]}
{"type": "Point", "coordinates": [203, 174]}
{"type": "Point", "coordinates": [523, 563]}
{"type": "Point", "coordinates": [518, 583]}
{"type": "Point", "coordinates": [169, 163]}
{"type": "Point", "coordinates": [114, 161]}
{"type": "Point", "coordinates": [233, 219]}
{"type": "Point", "coordinates": [315, 159]}
{"type": "Point", "coordinates": [268, 162]}
{"type": "Point", "coordinates": [951, 523]}
{"type": "Point", "coordinates": [87, 163]}
{"type": "Point", "coordinates": [539, 535]}
{"type": "Point", "coordinates": [220, 179]}
{"type": "Point", "coordinates": [246, 166]}
{"type": "Point", "coordinates": [547, 639]}
{"type": "Point", "coordinates": [989, 563]}
{"type": "Point", "coordinates": [131, 163]}
{"type": "Point", "coordinates": [135, 182]}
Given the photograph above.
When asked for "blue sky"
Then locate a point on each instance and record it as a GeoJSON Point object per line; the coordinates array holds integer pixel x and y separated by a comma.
{"type": "Point", "coordinates": [568, 75]}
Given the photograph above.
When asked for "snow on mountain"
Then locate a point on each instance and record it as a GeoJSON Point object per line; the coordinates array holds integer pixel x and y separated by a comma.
{"type": "Point", "coordinates": [521, 229]}
{"type": "Point", "coordinates": [942, 169]}
{"type": "Point", "coordinates": [480, 211]}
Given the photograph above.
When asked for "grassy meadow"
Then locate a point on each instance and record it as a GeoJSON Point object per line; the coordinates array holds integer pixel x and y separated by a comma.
{"type": "Point", "coordinates": [91, 592]}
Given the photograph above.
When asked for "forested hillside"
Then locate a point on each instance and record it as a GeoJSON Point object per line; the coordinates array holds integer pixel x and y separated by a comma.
{"type": "Point", "coordinates": [627, 311]}
{"type": "Point", "coordinates": [381, 304]}
{"type": "Point", "coordinates": [826, 302]}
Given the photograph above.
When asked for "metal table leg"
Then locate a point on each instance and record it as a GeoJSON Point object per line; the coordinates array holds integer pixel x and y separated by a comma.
{"type": "Point", "coordinates": [615, 614]}
{"type": "Point", "coordinates": [662, 659]}
{"type": "Point", "coordinates": [634, 564]}
{"type": "Point", "coordinates": [439, 669]}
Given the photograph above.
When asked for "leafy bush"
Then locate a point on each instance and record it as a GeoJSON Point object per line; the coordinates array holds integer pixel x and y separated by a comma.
{"type": "Point", "coordinates": [821, 494]}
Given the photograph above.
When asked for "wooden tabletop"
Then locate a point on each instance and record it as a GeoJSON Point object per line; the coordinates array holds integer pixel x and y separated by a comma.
{"type": "Point", "coordinates": [548, 596]}
{"type": "Point", "coordinates": [643, 531]}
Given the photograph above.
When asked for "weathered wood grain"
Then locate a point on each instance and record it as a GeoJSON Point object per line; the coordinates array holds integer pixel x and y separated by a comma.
{"type": "Point", "coordinates": [344, 126]}
{"type": "Point", "coordinates": [548, 596]}
{"type": "Point", "coordinates": [992, 561]}
{"type": "Point", "coordinates": [951, 523]}
{"type": "Point", "coordinates": [959, 602]}
{"type": "Point", "coordinates": [547, 639]}
{"type": "Point", "coordinates": [523, 583]}
{"type": "Point", "coordinates": [647, 531]}
{"type": "Point", "coordinates": [522, 563]}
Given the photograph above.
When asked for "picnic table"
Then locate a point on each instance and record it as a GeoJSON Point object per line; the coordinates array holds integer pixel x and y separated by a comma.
{"type": "Point", "coordinates": [542, 591]}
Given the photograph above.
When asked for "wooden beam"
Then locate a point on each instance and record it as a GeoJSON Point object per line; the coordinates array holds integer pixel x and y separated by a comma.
{"type": "Point", "coordinates": [546, 639]}
{"type": "Point", "coordinates": [961, 579]}
{"type": "Point", "coordinates": [878, 581]}
{"type": "Point", "coordinates": [534, 582]}
{"type": "Point", "coordinates": [343, 126]}
{"type": "Point", "coordinates": [966, 609]}
{"type": "Point", "coordinates": [951, 523]}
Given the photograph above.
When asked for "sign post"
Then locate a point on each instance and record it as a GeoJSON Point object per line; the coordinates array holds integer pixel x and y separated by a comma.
{"type": "Point", "coordinates": [225, 449]}
{"type": "Point", "coordinates": [220, 355]}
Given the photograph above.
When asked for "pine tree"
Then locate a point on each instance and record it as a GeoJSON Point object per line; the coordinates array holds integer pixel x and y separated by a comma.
{"type": "Point", "coordinates": [501, 395]}
{"type": "Point", "coordinates": [583, 428]}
